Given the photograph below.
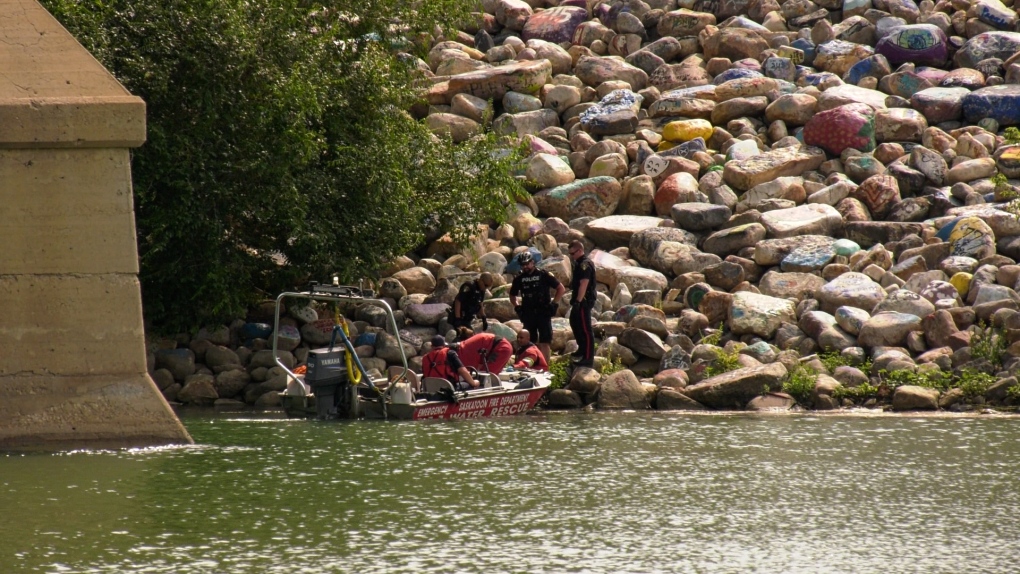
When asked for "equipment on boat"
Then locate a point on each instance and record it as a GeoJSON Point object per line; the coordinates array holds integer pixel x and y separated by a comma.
{"type": "Point", "coordinates": [336, 385]}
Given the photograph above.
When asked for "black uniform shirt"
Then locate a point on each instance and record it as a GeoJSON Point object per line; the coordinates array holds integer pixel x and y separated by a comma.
{"type": "Point", "coordinates": [534, 288]}
{"type": "Point", "coordinates": [470, 297]}
{"type": "Point", "coordinates": [583, 269]}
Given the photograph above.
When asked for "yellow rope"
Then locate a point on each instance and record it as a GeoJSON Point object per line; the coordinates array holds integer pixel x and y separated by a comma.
{"type": "Point", "coordinates": [352, 373]}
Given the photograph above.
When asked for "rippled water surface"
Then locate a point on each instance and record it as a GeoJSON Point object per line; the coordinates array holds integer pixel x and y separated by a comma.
{"type": "Point", "coordinates": [632, 492]}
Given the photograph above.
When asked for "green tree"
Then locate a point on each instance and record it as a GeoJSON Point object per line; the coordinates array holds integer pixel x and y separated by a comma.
{"type": "Point", "coordinates": [280, 147]}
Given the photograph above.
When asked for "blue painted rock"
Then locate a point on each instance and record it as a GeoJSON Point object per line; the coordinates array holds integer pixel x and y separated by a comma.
{"type": "Point", "coordinates": [972, 237]}
{"type": "Point", "coordinates": [554, 25]}
{"type": "Point", "coordinates": [591, 197]}
{"type": "Point", "coordinates": [940, 104]}
{"type": "Point", "coordinates": [923, 44]}
{"type": "Point", "coordinates": [781, 68]}
{"type": "Point", "coordinates": [878, 193]}
{"type": "Point", "coordinates": [986, 45]}
{"type": "Point", "coordinates": [614, 114]}
{"type": "Point", "coordinates": [874, 67]}
{"type": "Point", "coordinates": [851, 319]}
{"type": "Point", "coordinates": [847, 127]}
{"type": "Point", "coordinates": [808, 48]}
{"type": "Point", "coordinates": [821, 78]}
{"type": "Point", "coordinates": [1001, 103]}
{"type": "Point", "coordinates": [365, 339]}
{"type": "Point", "coordinates": [686, 149]}
{"type": "Point", "coordinates": [735, 73]}
{"type": "Point", "coordinates": [808, 258]}
{"type": "Point", "coordinates": [695, 293]}
{"type": "Point", "coordinates": [845, 247]}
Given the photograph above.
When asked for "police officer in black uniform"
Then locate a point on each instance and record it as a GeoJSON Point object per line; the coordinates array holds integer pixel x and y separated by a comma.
{"type": "Point", "coordinates": [469, 302]}
{"type": "Point", "coordinates": [582, 300]}
{"type": "Point", "coordinates": [529, 293]}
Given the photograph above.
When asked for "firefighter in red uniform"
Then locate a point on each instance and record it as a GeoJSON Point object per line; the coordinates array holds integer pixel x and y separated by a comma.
{"type": "Point", "coordinates": [582, 300]}
{"type": "Point", "coordinates": [444, 363]}
{"type": "Point", "coordinates": [484, 351]}
{"type": "Point", "coordinates": [528, 355]}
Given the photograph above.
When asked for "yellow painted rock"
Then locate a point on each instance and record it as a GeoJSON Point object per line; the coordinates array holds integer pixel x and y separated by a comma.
{"type": "Point", "coordinates": [665, 145]}
{"type": "Point", "coordinates": [972, 237]}
{"type": "Point", "coordinates": [962, 282]}
{"type": "Point", "coordinates": [686, 130]}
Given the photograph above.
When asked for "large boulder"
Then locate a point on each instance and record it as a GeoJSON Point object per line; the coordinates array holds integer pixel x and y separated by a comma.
{"type": "Point", "coordinates": [733, 390]}
{"type": "Point", "coordinates": [622, 390]}
{"type": "Point", "coordinates": [592, 197]}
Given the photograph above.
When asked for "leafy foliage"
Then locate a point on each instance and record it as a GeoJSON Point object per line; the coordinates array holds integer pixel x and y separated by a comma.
{"type": "Point", "coordinates": [988, 343]}
{"type": "Point", "coordinates": [933, 379]}
{"type": "Point", "coordinates": [1012, 135]}
{"type": "Point", "coordinates": [974, 383]}
{"type": "Point", "coordinates": [279, 146]}
{"type": "Point", "coordinates": [558, 368]}
{"type": "Point", "coordinates": [800, 383]}
{"type": "Point", "coordinates": [614, 364]}
{"type": "Point", "coordinates": [834, 360]}
{"type": "Point", "coordinates": [725, 361]}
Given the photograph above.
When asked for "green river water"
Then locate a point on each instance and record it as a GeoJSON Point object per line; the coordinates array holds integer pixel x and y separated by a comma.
{"type": "Point", "coordinates": [628, 492]}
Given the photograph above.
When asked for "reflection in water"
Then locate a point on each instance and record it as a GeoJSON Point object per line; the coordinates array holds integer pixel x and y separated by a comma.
{"type": "Point", "coordinates": [633, 492]}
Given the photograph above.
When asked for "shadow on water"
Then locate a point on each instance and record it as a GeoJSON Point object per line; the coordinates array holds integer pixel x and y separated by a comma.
{"type": "Point", "coordinates": [628, 492]}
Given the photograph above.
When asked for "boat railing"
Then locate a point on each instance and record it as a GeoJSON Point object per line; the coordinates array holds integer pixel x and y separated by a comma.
{"type": "Point", "coordinates": [336, 293]}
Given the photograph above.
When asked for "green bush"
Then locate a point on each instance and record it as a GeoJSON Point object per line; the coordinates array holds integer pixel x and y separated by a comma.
{"type": "Point", "coordinates": [938, 380]}
{"type": "Point", "coordinates": [974, 384]}
{"type": "Point", "coordinates": [279, 146]}
{"type": "Point", "coordinates": [558, 368]}
{"type": "Point", "coordinates": [834, 359]}
{"type": "Point", "coordinates": [860, 393]}
{"type": "Point", "coordinates": [725, 361]}
{"type": "Point", "coordinates": [988, 343]}
{"type": "Point", "coordinates": [800, 383]}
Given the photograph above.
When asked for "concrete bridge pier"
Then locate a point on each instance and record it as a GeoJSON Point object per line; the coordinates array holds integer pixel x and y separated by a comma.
{"type": "Point", "coordinates": [72, 355]}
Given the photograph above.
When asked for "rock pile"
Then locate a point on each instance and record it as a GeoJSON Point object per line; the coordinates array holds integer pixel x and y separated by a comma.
{"type": "Point", "coordinates": [762, 181]}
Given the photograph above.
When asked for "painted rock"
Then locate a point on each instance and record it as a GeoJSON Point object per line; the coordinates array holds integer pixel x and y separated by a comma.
{"type": "Point", "coordinates": [670, 105]}
{"type": "Point", "coordinates": [963, 78]}
{"type": "Point", "coordinates": [995, 14]}
{"type": "Point", "coordinates": [845, 247]}
{"type": "Point", "coordinates": [851, 319]}
{"type": "Point", "coordinates": [888, 329]}
{"type": "Point", "coordinates": [972, 237]}
{"type": "Point", "coordinates": [617, 230]}
{"type": "Point", "coordinates": [680, 187]}
{"type": "Point", "coordinates": [961, 282]}
{"type": "Point", "coordinates": [922, 44]}
{"type": "Point", "coordinates": [899, 125]}
{"type": "Point", "coordinates": [847, 127]}
{"type": "Point", "coordinates": [853, 290]}
{"type": "Point", "coordinates": [808, 258]}
{"type": "Point", "coordinates": [759, 314]}
{"type": "Point", "coordinates": [593, 71]}
{"type": "Point", "coordinates": [686, 130]}
{"type": "Point", "coordinates": [906, 301]}
{"type": "Point", "coordinates": [780, 68]}
{"type": "Point", "coordinates": [788, 161]}
{"type": "Point", "coordinates": [554, 25]}
{"type": "Point", "coordinates": [938, 290]}
{"type": "Point", "coordinates": [684, 22]}
{"type": "Point", "coordinates": [256, 331]}
{"type": "Point", "coordinates": [874, 67]}
{"type": "Point", "coordinates": [743, 149]}
{"type": "Point", "coordinates": [930, 163]}
{"type": "Point", "coordinates": [940, 104]}
{"type": "Point", "coordinates": [987, 45]}
{"type": "Point", "coordinates": [1007, 159]}
{"type": "Point", "coordinates": [674, 76]}
{"type": "Point", "coordinates": [729, 241]}
{"type": "Point", "coordinates": [839, 56]}
{"type": "Point", "coordinates": [686, 149]}
{"type": "Point", "coordinates": [318, 333]}
{"type": "Point", "coordinates": [1001, 103]}
{"type": "Point", "coordinates": [837, 96]}
{"type": "Point", "coordinates": [904, 84]}
{"type": "Point", "coordinates": [735, 44]}
{"type": "Point", "coordinates": [616, 113]}
{"type": "Point", "coordinates": [807, 219]}
{"type": "Point", "coordinates": [288, 338]}
{"type": "Point", "coordinates": [735, 74]}
{"type": "Point", "coordinates": [878, 193]}
{"type": "Point", "coordinates": [591, 197]}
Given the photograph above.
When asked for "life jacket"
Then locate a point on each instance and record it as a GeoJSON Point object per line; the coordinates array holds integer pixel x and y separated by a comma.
{"type": "Point", "coordinates": [436, 364]}
{"type": "Point", "coordinates": [485, 352]}
{"type": "Point", "coordinates": [531, 351]}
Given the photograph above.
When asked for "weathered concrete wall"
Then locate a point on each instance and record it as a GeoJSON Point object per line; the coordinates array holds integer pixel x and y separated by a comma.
{"type": "Point", "coordinates": [72, 356]}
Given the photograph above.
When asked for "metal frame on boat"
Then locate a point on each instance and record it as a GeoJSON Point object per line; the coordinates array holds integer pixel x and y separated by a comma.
{"type": "Point", "coordinates": [327, 390]}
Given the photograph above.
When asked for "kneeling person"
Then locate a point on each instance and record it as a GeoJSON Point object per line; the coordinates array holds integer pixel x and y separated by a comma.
{"type": "Point", "coordinates": [528, 355]}
{"type": "Point", "coordinates": [444, 363]}
{"type": "Point", "coordinates": [485, 351]}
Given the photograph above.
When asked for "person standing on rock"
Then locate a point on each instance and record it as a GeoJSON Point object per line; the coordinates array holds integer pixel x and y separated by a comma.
{"type": "Point", "coordinates": [443, 362]}
{"type": "Point", "coordinates": [469, 302]}
{"type": "Point", "coordinates": [529, 294]}
{"type": "Point", "coordinates": [528, 355]}
{"type": "Point", "coordinates": [582, 300]}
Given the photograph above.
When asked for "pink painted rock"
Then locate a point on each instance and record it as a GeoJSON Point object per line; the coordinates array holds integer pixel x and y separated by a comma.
{"type": "Point", "coordinates": [554, 25]}
{"type": "Point", "coordinates": [845, 127]}
{"type": "Point", "coordinates": [680, 187]}
{"type": "Point", "coordinates": [878, 193]}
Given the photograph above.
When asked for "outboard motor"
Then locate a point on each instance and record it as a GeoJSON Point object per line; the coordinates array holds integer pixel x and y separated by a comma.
{"type": "Point", "coordinates": [328, 378]}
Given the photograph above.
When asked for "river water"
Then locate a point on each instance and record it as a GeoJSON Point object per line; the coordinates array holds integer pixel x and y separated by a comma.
{"type": "Point", "coordinates": [627, 492]}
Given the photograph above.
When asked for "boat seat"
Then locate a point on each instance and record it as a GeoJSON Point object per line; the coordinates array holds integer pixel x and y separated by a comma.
{"type": "Point", "coordinates": [412, 377]}
{"type": "Point", "coordinates": [489, 380]}
{"type": "Point", "coordinates": [433, 385]}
